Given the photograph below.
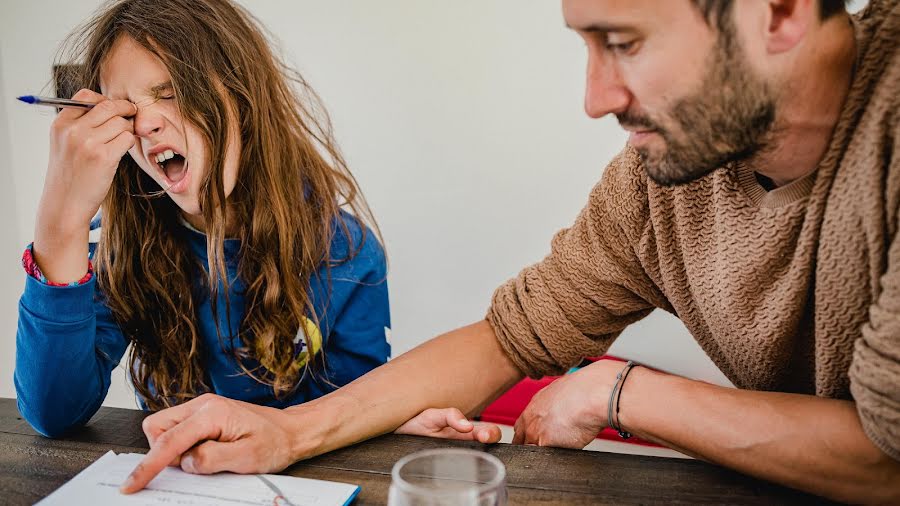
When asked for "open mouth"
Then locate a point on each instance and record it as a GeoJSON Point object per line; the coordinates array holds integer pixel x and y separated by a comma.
{"type": "Point", "coordinates": [173, 165]}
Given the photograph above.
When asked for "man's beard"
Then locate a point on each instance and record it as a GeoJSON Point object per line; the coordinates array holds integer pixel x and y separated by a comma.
{"type": "Point", "coordinates": [730, 118]}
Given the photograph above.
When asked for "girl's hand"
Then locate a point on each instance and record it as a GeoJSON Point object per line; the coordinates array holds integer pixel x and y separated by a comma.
{"type": "Point", "coordinates": [85, 148]}
{"type": "Point", "coordinates": [449, 423]}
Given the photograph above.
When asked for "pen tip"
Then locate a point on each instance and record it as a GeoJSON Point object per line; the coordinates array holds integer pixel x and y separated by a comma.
{"type": "Point", "coordinates": [28, 99]}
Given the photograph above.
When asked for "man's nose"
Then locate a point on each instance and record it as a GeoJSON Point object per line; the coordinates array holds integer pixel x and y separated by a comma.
{"type": "Point", "coordinates": [605, 92]}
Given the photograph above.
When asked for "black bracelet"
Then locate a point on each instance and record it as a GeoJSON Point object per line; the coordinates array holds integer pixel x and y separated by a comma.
{"type": "Point", "coordinates": [614, 397]}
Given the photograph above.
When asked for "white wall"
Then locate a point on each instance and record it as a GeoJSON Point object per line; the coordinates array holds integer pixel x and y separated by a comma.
{"type": "Point", "coordinates": [11, 280]}
{"type": "Point", "coordinates": [26, 55]}
{"type": "Point", "coordinates": [462, 120]}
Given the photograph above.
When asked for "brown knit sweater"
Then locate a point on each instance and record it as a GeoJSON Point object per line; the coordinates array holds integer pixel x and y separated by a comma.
{"type": "Point", "coordinates": [793, 290]}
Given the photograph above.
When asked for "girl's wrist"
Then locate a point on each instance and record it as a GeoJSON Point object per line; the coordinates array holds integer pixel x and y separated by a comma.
{"type": "Point", "coordinates": [63, 226]}
{"type": "Point", "coordinates": [62, 258]}
{"type": "Point", "coordinates": [62, 213]}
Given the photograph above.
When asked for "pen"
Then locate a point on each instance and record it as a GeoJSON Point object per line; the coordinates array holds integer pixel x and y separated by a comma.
{"type": "Point", "coordinates": [54, 102]}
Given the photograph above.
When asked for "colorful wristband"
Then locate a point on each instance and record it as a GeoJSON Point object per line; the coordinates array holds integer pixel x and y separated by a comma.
{"type": "Point", "coordinates": [32, 269]}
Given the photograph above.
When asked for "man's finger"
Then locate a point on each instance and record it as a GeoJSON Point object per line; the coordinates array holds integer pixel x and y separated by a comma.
{"type": "Point", "coordinates": [216, 456]}
{"type": "Point", "coordinates": [161, 421]}
{"type": "Point", "coordinates": [519, 432]}
{"type": "Point", "coordinates": [170, 445]}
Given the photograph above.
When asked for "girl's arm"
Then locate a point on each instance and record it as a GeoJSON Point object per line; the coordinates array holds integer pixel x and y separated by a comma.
{"type": "Point", "coordinates": [357, 316]}
{"type": "Point", "coordinates": [66, 342]}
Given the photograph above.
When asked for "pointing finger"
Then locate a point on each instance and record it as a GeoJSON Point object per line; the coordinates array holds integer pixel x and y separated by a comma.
{"type": "Point", "coordinates": [170, 445]}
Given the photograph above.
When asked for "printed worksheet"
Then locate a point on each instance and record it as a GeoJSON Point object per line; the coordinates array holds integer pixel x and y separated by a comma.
{"type": "Point", "coordinates": [99, 484]}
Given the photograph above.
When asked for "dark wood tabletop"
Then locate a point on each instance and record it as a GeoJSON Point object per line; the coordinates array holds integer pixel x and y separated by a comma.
{"type": "Point", "coordinates": [32, 466]}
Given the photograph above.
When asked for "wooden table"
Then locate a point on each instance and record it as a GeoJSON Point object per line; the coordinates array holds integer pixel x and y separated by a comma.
{"type": "Point", "coordinates": [31, 467]}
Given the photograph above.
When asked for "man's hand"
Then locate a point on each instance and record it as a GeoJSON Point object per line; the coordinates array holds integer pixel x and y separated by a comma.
{"type": "Point", "coordinates": [571, 411]}
{"type": "Point", "coordinates": [449, 423]}
{"type": "Point", "coordinates": [210, 434]}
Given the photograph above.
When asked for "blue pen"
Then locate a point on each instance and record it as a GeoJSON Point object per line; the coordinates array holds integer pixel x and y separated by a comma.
{"type": "Point", "coordinates": [55, 102]}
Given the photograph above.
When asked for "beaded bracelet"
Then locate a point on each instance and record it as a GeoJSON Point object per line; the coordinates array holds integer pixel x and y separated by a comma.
{"type": "Point", "coordinates": [614, 397]}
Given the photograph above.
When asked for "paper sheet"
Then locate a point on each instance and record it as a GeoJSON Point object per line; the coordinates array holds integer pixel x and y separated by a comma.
{"type": "Point", "coordinates": [99, 484]}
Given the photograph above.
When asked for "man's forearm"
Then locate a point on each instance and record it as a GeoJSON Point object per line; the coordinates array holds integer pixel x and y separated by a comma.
{"type": "Point", "coordinates": [465, 368]}
{"type": "Point", "coordinates": [806, 442]}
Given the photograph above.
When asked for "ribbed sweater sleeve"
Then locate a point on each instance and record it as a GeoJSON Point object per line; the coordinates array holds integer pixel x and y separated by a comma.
{"type": "Point", "coordinates": [577, 300]}
{"type": "Point", "coordinates": [875, 370]}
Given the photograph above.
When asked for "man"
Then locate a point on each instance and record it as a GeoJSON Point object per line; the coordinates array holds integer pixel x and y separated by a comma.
{"type": "Point", "coordinates": [757, 200]}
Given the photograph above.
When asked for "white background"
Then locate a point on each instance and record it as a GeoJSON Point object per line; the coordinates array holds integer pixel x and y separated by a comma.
{"type": "Point", "coordinates": [462, 120]}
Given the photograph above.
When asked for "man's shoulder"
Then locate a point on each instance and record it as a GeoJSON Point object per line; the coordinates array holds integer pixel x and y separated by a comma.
{"type": "Point", "coordinates": [621, 194]}
{"type": "Point", "coordinates": [878, 38]}
{"type": "Point", "coordinates": [880, 13]}
{"type": "Point", "coordinates": [625, 173]}
{"type": "Point", "coordinates": [876, 88]}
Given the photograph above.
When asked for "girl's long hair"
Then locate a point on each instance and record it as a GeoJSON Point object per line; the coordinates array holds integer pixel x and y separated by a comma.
{"type": "Point", "coordinates": [292, 184]}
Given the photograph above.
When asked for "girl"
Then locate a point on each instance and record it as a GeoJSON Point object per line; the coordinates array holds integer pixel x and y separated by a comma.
{"type": "Point", "coordinates": [225, 255]}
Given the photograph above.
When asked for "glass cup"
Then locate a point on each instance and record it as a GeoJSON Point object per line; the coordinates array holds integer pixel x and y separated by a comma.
{"type": "Point", "coordinates": [448, 477]}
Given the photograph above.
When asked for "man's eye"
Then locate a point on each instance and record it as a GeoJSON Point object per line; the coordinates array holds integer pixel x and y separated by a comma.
{"type": "Point", "coordinates": [620, 47]}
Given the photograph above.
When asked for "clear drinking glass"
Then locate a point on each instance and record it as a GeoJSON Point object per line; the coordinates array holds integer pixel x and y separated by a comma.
{"type": "Point", "coordinates": [448, 477]}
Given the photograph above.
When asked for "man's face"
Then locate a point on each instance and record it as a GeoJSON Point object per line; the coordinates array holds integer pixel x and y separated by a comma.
{"type": "Point", "coordinates": [684, 90]}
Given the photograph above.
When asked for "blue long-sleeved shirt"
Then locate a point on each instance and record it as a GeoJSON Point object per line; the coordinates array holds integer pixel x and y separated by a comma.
{"type": "Point", "coordinates": [68, 343]}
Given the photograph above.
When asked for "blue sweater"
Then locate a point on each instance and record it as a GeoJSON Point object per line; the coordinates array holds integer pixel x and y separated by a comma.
{"type": "Point", "coordinates": [67, 341]}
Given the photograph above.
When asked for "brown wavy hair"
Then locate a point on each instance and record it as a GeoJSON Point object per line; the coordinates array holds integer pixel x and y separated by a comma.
{"type": "Point", "coordinates": [292, 184]}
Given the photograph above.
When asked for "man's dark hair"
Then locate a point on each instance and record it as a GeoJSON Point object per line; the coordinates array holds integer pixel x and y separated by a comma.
{"type": "Point", "coordinates": [714, 10]}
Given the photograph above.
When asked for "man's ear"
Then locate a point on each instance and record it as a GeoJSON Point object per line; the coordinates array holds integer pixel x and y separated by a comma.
{"type": "Point", "coordinates": [788, 22]}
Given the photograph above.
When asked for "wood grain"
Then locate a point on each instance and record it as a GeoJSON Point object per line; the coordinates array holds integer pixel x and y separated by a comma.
{"type": "Point", "coordinates": [32, 466]}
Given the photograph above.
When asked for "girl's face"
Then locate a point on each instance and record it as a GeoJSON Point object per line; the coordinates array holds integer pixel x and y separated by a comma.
{"type": "Point", "coordinates": [169, 149]}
